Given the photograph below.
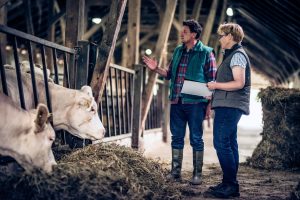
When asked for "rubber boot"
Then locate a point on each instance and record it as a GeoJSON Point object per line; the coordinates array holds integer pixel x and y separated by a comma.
{"type": "Point", "coordinates": [177, 155]}
{"type": "Point", "coordinates": [197, 163]}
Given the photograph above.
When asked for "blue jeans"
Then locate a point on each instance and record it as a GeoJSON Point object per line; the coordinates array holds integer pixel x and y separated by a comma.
{"type": "Point", "coordinates": [225, 141]}
{"type": "Point", "coordinates": [180, 116]}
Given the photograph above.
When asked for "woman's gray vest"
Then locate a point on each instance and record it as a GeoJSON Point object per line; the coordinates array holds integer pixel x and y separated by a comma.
{"type": "Point", "coordinates": [233, 99]}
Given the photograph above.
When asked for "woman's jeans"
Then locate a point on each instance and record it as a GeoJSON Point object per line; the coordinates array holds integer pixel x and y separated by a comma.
{"type": "Point", "coordinates": [180, 116]}
{"type": "Point", "coordinates": [225, 141]}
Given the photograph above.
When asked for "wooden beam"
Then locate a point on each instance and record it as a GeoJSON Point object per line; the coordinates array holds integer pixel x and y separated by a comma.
{"type": "Point", "coordinates": [264, 31]}
{"type": "Point", "coordinates": [133, 32]}
{"type": "Point", "coordinates": [107, 47]}
{"type": "Point", "coordinates": [210, 22]}
{"type": "Point", "coordinates": [159, 50]}
{"type": "Point", "coordinates": [197, 9]}
{"type": "Point", "coordinates": [221, 21]}
{"type": "Point", "coordinates": [181, 18]}
{"type": "Point", "coordinates": [267, 64]}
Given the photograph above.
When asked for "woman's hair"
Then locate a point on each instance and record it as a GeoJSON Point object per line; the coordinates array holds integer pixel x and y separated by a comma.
{"type": "Point", "coordinates": [234, 29]}
{"type": "Point", "coordinates": [194, 26]}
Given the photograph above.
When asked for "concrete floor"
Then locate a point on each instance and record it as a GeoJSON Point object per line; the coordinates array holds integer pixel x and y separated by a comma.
{"type": "Point", "coordinates": [155, 148]}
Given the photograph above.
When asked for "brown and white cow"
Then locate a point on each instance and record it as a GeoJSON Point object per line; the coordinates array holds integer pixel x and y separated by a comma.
{"type": "Point", "coordinates": [73, 110]}
{"type": "Point", "coordinates": [26, 135]}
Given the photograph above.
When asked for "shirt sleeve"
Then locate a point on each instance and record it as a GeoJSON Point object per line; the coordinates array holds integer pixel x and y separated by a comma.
{"type": "Point", "coordinates": [169, 71]}
{"type": "Point", "coordinates": [238, 59]}
{"type": "Point", "coordinates": [210, 68]}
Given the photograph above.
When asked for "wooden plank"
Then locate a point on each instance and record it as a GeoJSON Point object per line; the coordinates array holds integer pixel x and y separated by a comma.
{"type": "Point", "coordinates": [210, 22]}
{"type": "Point", "coordinates": [159, 50]}
{"type": "Point", "coordinates": [133, 32]}
{"type": "Point", "coordinates": [107, 47]}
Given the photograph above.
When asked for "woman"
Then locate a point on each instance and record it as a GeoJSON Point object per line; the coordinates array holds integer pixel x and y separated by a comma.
{"type": "Point", "coordinates": [230, 100]}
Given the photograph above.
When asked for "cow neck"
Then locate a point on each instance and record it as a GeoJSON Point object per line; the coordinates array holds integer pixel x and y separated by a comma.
{"type": "Point", "coordinates": [62, 99]}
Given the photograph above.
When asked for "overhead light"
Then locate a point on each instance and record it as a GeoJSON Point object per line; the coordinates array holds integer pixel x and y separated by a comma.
{"type": "Point", "coordinates": [229, 12]}
{"type": "Point", "coordinates": [23, 51]}
{"type": "Point", "coordinates": [7, 47]}
{"type": "Point", "coordinates": [96, 20]}
{"type": "Point", "coordinates": [60, 61]}
{"type": "Point", "coordinates": [148, 52]}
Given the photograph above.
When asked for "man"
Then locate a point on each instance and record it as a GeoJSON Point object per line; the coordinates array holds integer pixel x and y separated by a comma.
{"type": "Point", "coordinates": [194, 61]}
{"type": "Point", "coordinates": [230, 100]}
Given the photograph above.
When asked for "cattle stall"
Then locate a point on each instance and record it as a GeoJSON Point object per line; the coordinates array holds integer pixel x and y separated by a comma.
{"type": "Point", "coordinates": [115, 107]}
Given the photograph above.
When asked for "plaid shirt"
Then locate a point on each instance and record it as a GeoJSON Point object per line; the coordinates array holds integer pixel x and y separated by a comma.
{"type": "Point", "coordinates": [210, 69]}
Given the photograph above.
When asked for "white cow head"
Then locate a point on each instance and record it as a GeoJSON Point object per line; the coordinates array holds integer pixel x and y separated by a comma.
{"type": "Point", "coordinates": [83, 118]}
{"type": "Point", "coordinates": [35, 145]}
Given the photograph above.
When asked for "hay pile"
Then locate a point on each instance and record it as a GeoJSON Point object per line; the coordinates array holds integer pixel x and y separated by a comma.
{"type": "Point", "coordinates": [280, 145]}
{"type": "Point", "coordinates": [103, 171]}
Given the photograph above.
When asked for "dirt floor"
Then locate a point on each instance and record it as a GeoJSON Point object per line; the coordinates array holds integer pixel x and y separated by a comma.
{"type": "Point", "coordinates": [254, 183]}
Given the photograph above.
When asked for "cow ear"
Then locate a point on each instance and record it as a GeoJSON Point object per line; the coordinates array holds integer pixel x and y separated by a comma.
{"type": "Point", "coordinates": [41, 118]}
{"type": "Point", "coordinates": [87, 90]}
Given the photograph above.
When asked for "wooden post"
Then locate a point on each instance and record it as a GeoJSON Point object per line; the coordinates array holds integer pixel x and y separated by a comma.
{"type": "Point", "coordinates": [137, 102]}
{"type": "Point", "coordinates": [159, 50]}
{"type": "Point", "coordinates": [107, 47]}
{"type": "Point", "coordinates": [74, 31]}
{"type": "Point", "coordinates": [210, 22]}
{"type": "Point", "coordinates": [133, 32]}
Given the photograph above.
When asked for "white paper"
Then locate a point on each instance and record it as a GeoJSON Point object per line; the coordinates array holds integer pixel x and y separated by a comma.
{"type": "Point", "coordinates": [195, 88]}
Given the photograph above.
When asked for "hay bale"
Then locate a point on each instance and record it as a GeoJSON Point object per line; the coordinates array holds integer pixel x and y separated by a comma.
{"type": "Point", "coordinates": [295, 194]}
{"type": "Point", "coordinates": [280, 145]}
{"type": "Point", "coordinates": [102, 171]}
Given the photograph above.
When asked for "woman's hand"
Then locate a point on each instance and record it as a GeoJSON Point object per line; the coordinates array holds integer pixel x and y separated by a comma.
{"type": "Point", "coordinates": [212, 85]}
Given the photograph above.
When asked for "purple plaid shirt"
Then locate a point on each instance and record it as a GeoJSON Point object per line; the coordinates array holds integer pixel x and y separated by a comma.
{"type": "Point", "coordinates": [210, 69]}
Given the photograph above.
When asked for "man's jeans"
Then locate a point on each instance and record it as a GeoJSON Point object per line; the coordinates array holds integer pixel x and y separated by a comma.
{"type": "Point", "coordinates": [191, 114]}
{"type": "Point", "coordinates": [225, 141]}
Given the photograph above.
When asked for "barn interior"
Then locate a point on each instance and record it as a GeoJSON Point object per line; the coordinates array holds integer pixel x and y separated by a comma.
{"type": "Point", "coordinates": [122, 31]}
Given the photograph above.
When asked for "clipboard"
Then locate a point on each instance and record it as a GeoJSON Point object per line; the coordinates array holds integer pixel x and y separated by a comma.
{"type": "Point", "coordinates": [195, 88]}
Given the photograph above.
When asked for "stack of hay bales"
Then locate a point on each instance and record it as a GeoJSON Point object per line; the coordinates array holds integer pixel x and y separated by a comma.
{"type": "Point", "coordinates": [280, 145]}
{"type": "Point", "coordinates": [102, 171]}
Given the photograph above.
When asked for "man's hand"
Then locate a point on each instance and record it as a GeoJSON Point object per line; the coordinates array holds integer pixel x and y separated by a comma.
{"type": "Point", "coordinates": [150, 63]}
{"type": "Point", "coordinates": [208, 111]}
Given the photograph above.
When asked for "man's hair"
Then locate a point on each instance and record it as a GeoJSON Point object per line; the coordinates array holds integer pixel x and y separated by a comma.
{"type": "Point", "coordinates": [234, 29]}
{"type": "Point", "coordinates": [194, 26]}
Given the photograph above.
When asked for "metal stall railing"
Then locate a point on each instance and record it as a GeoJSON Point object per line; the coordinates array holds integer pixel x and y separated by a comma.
{"type": "Point", "coordinates": [155, 114]}
{"type": "Point", "coordinates": [24, 46]}
{"type": "Point", "coordinates": [117, 99]}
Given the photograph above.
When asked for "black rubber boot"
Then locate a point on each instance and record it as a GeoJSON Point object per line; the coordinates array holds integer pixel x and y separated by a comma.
{"type": "Point", "coordinates": [177, 155]}
{"type": "Point", "coordinates": [197, 163]}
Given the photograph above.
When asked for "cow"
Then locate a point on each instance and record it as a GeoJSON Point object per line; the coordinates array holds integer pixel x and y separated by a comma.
{"type": "Point", "coordinates": [27, 136]}
{"type": "Point", "coordinates": [73, 110]}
